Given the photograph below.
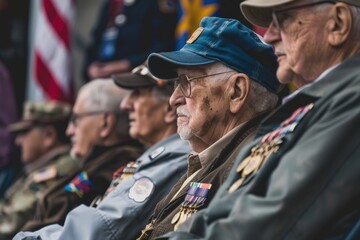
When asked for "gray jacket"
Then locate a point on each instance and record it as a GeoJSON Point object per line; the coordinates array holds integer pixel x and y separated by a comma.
{"type": "Point", "coordinates": [309, 188]}
{"type": "Point", "coordinates": [126, 210]}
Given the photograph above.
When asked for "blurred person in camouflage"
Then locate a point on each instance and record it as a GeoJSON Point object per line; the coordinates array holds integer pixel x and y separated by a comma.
{"type": "Point", "coordinates": [45, 154]}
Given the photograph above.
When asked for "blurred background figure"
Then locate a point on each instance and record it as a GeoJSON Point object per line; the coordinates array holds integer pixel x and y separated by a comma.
{"type": "Point", "coordinates": [100, 144]}
{"type": "Point", "coordinates": [126, 32]}
{"type": "Point", "coordinates": [9, 159]}
{"type": "Point", "coordinates": [13, 45]}
{"type": "Point", "coordinates": [45, 155]}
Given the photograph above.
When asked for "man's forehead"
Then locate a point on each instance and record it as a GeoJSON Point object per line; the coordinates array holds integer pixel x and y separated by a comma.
{"type": "Point", "coordinates": [79, 104]}
{"type": "Point", "coordinates": [194, 69]}
{"type": "Point", "coordinates": [142, 91]}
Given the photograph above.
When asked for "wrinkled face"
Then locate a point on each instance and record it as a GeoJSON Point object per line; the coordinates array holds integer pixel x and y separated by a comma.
{"type": "Point", "coordinates": [146, 114]}
{"type": "Point", "coordinates": [201, 116]}
{"type": "Point", "coordinates": [299, 43]}
{"type": "Point", "coordinates": [32, 144]}
{"type": "Point", "coordinates": [84, 131]}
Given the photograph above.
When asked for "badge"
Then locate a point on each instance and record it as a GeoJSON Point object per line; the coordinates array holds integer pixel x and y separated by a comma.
{"type": "Point", "coordinates": [236, 185]}
{"type": "Point", "coordinates": [195, 35]}
{"type": "Point", "coordinates": [80, 185]}
{"type": "Point", "coordinates": [269, 144]}
{"type": "Point", "coordinates": [45, 174]}
{"type": "Point", "coordinates": [108, 43]}
{"type": "Point", "coordinates": [121, 174]}
{"type": "Point", "coordinates": [129, 2]}
{"type": "Point", "coordinates": [156, 152]}
{"type": "Point", "coordinates": [194, 199]}
{"type": "Point", "coordinates": [120, 19]}
{"type": "Point", "coordinates": [141, 190]}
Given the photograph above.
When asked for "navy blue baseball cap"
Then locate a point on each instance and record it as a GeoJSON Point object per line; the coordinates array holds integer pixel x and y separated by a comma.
{"type": "Point", "coordinates": [221, 40]}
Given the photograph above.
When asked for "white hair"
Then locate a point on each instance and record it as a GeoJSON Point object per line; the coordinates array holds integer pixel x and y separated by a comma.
{"type": "Point", "coordinates": [356, 24]}
{"type": "Point", "coordinates": [104, 95]}
{"type": "Point", "coordinates": [260, 99]}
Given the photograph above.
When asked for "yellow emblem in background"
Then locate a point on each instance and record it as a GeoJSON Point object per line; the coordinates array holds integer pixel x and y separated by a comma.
{"type": "Point", "coordinates": [195, 35]}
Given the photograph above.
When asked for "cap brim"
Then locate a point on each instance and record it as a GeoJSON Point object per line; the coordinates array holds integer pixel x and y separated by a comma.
{"type": "Point", "coordinates": [131, 80]}
{"type": "Point", "coordinates": [258, 12]}
{"type": "Point", "coordinates": [163, 65]}
{"type": "Point", "coordinates": [20, 126]}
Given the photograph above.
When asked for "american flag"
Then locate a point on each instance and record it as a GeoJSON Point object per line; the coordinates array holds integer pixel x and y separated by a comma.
{"type": "Point", "coordinates": [51, 66]}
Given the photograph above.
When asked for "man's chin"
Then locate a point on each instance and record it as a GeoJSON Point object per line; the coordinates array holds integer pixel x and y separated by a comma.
{"type": "Point", "coordinates": [185, 133]}
{"type": "Point", "coordinates": [284, 75]}
{"type": "Point", "coordinates": [75, 156]}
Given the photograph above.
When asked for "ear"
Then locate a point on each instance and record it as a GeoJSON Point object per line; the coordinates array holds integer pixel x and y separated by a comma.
{"type": "Point", "coordinates": [170, 114]}
{"type": "Point", "coordinates": [339, 24]}
{"type": "Point", "coordinates": [107, 125]}
{"type": "Point", "coordinates": [238, 91]}
{"type": "Point", "coordinates": [50, 136]}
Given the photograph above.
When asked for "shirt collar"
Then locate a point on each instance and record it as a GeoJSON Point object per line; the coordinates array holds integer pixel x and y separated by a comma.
{"type": "Point", "coordinates": [322, 76]}
{"type": "Point", "coordinates": [203, 159]}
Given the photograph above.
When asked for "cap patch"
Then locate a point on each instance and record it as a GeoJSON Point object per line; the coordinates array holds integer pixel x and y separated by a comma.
{"type": "Point", "coordinates": [45, 174]}
{"type": "Point", "coordinates": [195, 35]}
{"type": "Point", "coordinates": [80, 185]}
{"type": "Point", "coordinates": [141, 190]}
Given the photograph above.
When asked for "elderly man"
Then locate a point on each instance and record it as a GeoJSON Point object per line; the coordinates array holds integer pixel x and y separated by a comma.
{"type": "Point", "coordinates": [142, 184]}
{"type": "Point", "coordinates": [45, 154]}
{"type": "Point", "coordinates": [220, 101]}
{"type": "Point", "coordinates": [299, 178]}
{"type": "Point", "coordinates": [100, 143]}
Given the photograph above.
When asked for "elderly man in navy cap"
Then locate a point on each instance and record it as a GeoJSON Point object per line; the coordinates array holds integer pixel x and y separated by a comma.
{"type": "Point", "coordinates": [299, 178]}
{"type": "Point", "coordinates": [225, 84]}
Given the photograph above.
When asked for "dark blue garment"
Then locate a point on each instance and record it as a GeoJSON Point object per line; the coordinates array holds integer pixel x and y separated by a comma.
{"type": "Point", "coordinates": [8, 115]}
{"type": "Point", "coordinates": [146, 27]}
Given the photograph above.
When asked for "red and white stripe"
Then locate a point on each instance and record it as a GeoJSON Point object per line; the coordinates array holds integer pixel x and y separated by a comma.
{"type": "Point", "coordinates": [51, 68]}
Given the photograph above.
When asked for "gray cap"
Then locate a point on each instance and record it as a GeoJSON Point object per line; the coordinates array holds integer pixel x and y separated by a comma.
{"type": "Point", "coordinates": [41, 112]}
{"type": "Point", "coordinates": [258, 12]}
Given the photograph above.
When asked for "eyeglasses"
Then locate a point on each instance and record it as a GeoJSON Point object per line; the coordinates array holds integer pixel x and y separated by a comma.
{"type": "Point", "coordinates": [279, 19]}
{"type": "Point", "coordinates": [184, 81]}
{"type": "Point", "coordinates": [76, 116]}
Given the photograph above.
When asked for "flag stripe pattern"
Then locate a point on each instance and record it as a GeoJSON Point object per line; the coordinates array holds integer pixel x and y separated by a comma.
{"type": "Point", "coordinates": [57, 23]}
{"type": "Point", "coordinates": [52, 50]}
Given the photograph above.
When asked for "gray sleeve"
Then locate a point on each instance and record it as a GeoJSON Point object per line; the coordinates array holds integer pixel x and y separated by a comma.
{"type": "Point", "coordinates": [120, 215]}
{"type": "Point", "coordinates": [301, 195]}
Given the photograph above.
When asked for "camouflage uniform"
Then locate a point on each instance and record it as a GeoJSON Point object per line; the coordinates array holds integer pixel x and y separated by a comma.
{"type": "Point", "coordinates": [19, 202]}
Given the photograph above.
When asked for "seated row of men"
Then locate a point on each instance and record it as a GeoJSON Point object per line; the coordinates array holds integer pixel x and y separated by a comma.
{"type": "Point", "coordinates": [249, 175]}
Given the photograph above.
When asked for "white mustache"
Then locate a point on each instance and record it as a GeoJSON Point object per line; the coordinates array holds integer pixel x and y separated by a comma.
{"type": "Point", "coordinates": [180, 112]}
{"type": "Point", "coordinates": [279, 52]}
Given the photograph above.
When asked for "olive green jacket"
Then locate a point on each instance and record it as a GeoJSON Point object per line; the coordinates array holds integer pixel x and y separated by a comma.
{"type": "Point", "coordinates": [20, 200]}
